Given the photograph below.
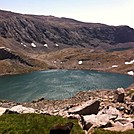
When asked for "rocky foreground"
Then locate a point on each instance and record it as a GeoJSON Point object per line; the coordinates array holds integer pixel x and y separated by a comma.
{"type": "Point", "coordinates": [109, 109]}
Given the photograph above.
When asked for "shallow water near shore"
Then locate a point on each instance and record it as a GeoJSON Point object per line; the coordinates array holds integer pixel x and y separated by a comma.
{"type": "Point", "coordinates": [58, 84]}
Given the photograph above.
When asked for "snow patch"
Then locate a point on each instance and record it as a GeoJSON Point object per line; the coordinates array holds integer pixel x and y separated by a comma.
{"type": "Point", "coordinates": [130, 73]}
{"type": "Point", "coordinates": [56, 45]}
{"type": "Point", "coordinates": [33, 45]}
{"type": "Point", "coordinates": [80, 62]}
{"type": "Point", "coordinates": [114, 66]}
{"type": "Point", "coordinates": [45, 45]}
{"type": "Point", "coordinates": [130, 62]}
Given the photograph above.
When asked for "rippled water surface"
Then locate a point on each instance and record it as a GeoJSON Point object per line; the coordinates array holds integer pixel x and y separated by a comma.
{"type": "Point", "coordinates": [58, 84]}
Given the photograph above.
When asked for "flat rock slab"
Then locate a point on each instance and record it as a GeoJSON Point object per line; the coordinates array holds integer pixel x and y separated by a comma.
{"type": "Point", "coordinates": [120, 127]}
{"type": "Point", "coordinates": [86, 108]}
{"type": "Point", "coordinates": [20, 109]}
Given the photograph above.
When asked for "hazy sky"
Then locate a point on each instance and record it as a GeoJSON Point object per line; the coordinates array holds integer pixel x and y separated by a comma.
{"type": "Point", "coordinates": [112, 12]}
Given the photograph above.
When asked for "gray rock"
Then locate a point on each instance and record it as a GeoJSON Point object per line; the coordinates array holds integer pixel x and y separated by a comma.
{"type": "Point", "coordinates": [111, 111]}
{"type": "Point", "coordinates": [120, 97]}
{"type": "Point", "coordinates": [2, 110]}
{"type": "Point", "coordinates": [10, 112]}
{"type": "Point", "coordinates": [120, 108]}
{"type": "Point", "coordinates": [93, 120]}
{"type": "Point", "coordinates": [86, 108]}
{"type": "Point", "coordinates": [120, 127]}
{"type": "Point", "coordinates": [120, 94]}
{"type": "Point", "coordinates": [120, 90]}
{"type": "Point", "coordinates": [20, 109]}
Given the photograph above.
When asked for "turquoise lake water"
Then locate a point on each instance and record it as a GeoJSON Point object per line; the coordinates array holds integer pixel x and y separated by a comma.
{"type": "Point", "coordinates": [58, 84]}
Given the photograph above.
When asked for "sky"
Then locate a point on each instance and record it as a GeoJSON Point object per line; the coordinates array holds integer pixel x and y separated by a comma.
{"type": "Point", "coordinates": [111, 12]}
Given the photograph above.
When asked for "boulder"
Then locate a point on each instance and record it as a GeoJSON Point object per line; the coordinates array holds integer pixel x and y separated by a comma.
{"type": "Point", "coordinates": [120, 94]}
{"type": "Point", "coordinates": [120, 108]}
{"type": "Point", "coordinates": [62, 129]}
{"type": "Point", "coordinates": [100, 121]}
{"type": "Point", "coordinates": [120, 97]}
{"type": "Point", "coordinates": [120, 127]}
{"type": "Point", "coordinates": [2, 110]}
{"type": "Point", "coordinates": [73, 116]}
{"type": "Point", "coordinates": [111, 111]}
{"type": "Point", "coordinates": [10, 112]}
{"type": "Point", "coordinates": [120, 90]}
{"type": "Point", "coordinates": [86, 108]}
{"type": "Point", "coordinates": [20, 109]}
{"type": "Point", "coordinates": [131, 107]}
{"type": "Point", "coordinates": [124, 120]}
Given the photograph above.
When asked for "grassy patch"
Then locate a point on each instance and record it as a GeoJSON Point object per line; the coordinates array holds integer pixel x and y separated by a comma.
{"type": "Point", "coordinates": [130, 92]}
{"type": "Point", "coordinates": [33, 124]}
{"type": "Point", "coordinates": [102, 131]}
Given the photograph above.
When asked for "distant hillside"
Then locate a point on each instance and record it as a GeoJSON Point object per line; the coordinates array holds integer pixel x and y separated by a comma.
{"type": "Point", "coordinates": [31, 42]}
{"type": "Point", "coordinates": [19, 29]}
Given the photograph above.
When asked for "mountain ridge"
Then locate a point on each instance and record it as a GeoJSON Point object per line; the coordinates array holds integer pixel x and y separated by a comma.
{"type": "Point", "coordinates": [39, 40]}
{"type": "Point", "coordinates": [67, 32]}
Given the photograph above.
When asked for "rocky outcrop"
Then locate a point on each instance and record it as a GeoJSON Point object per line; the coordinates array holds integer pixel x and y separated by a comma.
{"type": "Point", "coordinates": [50, 30]}
{"type": "Point", "coordinates": [91, 110]}
{"type": "Point", "coordinates": [121, 127]}
{"type": "Point", "coordinates": [120, 94]}
{"type": "Point", "coordinates": [86, 108]}
{"type": "Point", "coordinates": [18, 109]}
{"type": "Point", "coordinates": [103, 119]}
{"type": "Point", "coordinates": [5, 53]}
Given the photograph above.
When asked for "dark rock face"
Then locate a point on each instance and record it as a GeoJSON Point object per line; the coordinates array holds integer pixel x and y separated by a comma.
{"type": "Point", "coordinates": [120, 97]}
{"type": "Point", "coordinates": [86, 108]}
{"type": "Point", "coordinates": [10, 112]}
{"type": "Point", "coordinates": [62, 129]}
{"type": "Point", "coordinates": [44, 29]}
{"type": "Point", "coordinates": [5, 54]}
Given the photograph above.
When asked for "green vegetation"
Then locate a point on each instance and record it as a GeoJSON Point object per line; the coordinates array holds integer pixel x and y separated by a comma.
{"type": "Point", "coordinates": [130, 92]}
{"type": "Point", "coordinates": [102, 131]}
{"type": "Point", "coordinates": [33, 124]}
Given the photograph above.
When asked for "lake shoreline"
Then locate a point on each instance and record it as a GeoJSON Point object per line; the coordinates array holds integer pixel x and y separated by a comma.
{"type": "Point", "coordinates": [59, 84]}
{"type": "Point", "coordinates": [98, 70]}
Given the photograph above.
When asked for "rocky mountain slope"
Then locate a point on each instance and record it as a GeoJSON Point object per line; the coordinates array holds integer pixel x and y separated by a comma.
{"type": "Point", "coordinates": [65, 32]}
{"type": "Point", "coordinates": [47, 42]}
